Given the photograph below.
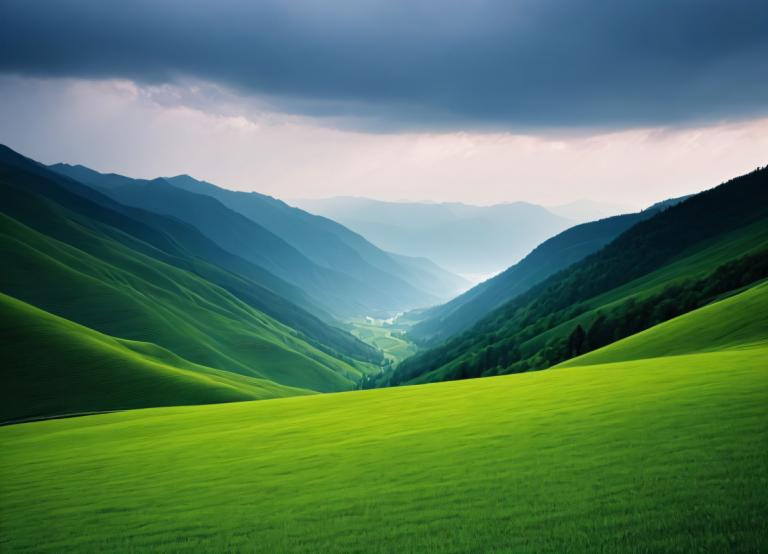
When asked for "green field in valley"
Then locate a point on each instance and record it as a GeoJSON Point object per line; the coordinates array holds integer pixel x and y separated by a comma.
{"type": "Point", "coordinates": [388, 338]}
{"type": "Point", "coordinates": [637, 448]}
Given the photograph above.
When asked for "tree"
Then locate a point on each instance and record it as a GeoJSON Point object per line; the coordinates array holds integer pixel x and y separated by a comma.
{"type": "Point", "coordinates": [599, 333]}
{"type": "Point", "coordinates": [576, 342]}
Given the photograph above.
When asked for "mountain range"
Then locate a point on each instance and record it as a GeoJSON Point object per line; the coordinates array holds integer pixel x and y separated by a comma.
{"type": "Point", "coordinates": [436, 324]}
{"type": "Point", "coordinates": [337, 268]}
{"type": "Point", "coordinates": [686, 254]}
{"type": "Point", "coordinates": [582, 211]}
{"type": "Point", "coordinates": [141, 319]}
{"type": "Point", "coordinates": [105, 301]}
{"type": "Point", "coordinates": [468, 240]}
{"type": "Point", "coordinates": [222, 295]}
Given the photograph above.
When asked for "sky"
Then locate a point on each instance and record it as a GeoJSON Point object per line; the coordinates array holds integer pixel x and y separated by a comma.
{"type": "Point", "coordinates": [480, 101]}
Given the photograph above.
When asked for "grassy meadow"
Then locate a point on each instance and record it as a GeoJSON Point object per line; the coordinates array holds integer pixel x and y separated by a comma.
{"type": "Point", "coordinates": [388, 339]}
{"type": "Point", "coordinates": [638, 452]}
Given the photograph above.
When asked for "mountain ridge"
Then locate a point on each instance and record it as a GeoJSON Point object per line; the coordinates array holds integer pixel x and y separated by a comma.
{"type": "Point", "coordinates": [460, 237]}
{"type": "Point", "coordinates": [554, 254]}
{"type": "Point", "coordinates": [346, 283]}
{"type": "Point", "coordinates": [107, 278]}
{"type": "Point", "coordinates": [251, 283]}
{"type": "Point", "coordinates": [710, 236]}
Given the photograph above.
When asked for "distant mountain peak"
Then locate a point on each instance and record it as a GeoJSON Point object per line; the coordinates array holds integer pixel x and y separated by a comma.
{"type": "Point", "coordinates": [584, 209]}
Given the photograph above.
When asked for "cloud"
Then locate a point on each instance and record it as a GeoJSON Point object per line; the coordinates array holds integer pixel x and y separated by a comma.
{"type": "Point", "coordinates": [420, 64]}
{"type": "Point", "coordinates": [147, 131]}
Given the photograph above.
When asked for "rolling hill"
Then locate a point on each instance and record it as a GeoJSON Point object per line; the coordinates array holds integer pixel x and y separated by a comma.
{"type": "Point", "coordinates": [626, 449]}
{"type": "Point", "coordinates": [735, 323]}
{"type": "Point", "coordinates": [673, 262]}
{"type": "Point", "coordinates": [114, 289]}
{"type": "Point", "coordinates": [464, 239]}
{"type": "Point", "coordinates": [57, 367]}
{"type": "Point", "coordinates": [437, 324]}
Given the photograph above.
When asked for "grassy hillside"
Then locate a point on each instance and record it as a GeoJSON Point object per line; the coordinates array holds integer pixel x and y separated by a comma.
{"type": "Point", "coordinates": [175, 243]}
{"type": "Point", "coordinates": [103, 270]}
{"type": "Point", "coordinates": [112, 288]}
{"type": "Point", "coordinates": [54, 367]}
{"type": "Point", "coordinates": [660, 454]}
{"type": "Point", "coordinates": [674, 262]}
{"type": "Point", "coordinates": [744, 251]}
{"type": "Point", "coordinates": [736, 322]}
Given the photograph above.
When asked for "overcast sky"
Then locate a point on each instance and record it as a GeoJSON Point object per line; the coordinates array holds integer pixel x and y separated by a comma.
{"type": "Point", "coordinates": [475, 100]}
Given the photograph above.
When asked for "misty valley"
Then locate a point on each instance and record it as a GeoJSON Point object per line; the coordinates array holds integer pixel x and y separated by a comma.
{"type": "Point", "coordinates": [383, 276]}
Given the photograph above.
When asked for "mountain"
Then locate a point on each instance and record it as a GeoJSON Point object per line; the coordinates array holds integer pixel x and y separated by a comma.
{"type": "Point", "coordinates": [680, 259]}
{"type": "Point", "coordinates": [126, 280]}
{"type": "Point", "coordinates": [330, 244]}
{"type": "Point", "coordinates": [536, 462]}
{"type": "Point", "coordinates": [467, 240]}
{"type": "Point", "coordinates": [582, 211]}
{"type": "Point", "coordinates": [192, 251]}
{"type": "Point", "coordinates": [338, 269]}
{"type": "Point", "coordinates": [441, 322]}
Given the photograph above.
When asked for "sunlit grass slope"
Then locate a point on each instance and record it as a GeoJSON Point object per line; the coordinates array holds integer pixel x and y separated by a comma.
{"type": "Point", "coordinates": [54, 366]}
{"type": "Point", "coordinates": [387, 339]}
{"type": "Point", "coordinates": [664, 454]}
{"type": "Point", "coordinates": [740, 321]}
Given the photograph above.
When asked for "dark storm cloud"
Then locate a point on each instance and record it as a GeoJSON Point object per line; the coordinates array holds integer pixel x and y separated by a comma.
{"type": "Point", "coordinates": [421, 64]}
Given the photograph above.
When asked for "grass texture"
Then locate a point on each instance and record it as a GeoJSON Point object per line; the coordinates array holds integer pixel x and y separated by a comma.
{"type": "Point", "coordinates": [60, 367]}
{"type": "Point", "coordinates": [644, 449]}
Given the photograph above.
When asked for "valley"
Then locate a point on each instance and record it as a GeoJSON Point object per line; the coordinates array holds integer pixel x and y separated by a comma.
{"type": "Point", "coordinates": [252, 377]}
{"type": "Point", "coordinates": [383, 277]}
{"type": "Point", "coordinates": [459, 237]}
{"type": "Point", "coordinates": [388, 336]}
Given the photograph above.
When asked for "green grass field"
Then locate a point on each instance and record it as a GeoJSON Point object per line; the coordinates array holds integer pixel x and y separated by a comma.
{"type": "Point", "coordinates": [388, 339]}
{"type": "Point", "coordinates": [642, 454]}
